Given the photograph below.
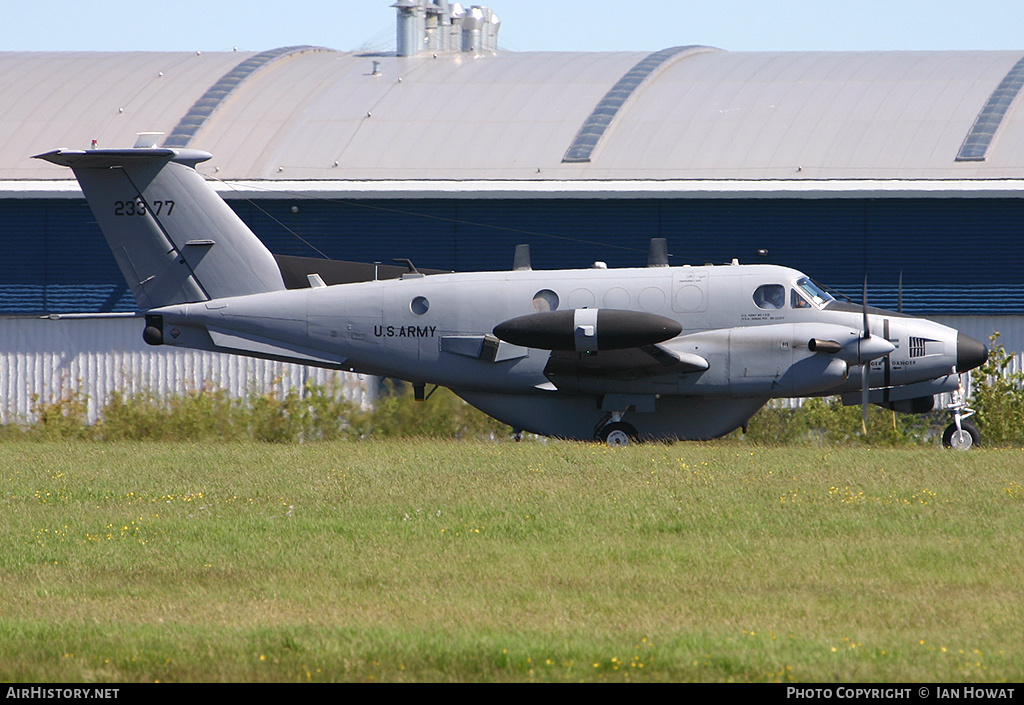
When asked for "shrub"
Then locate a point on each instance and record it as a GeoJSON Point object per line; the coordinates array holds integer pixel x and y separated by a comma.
{"type": "Point", "coordinates": [200, 413]}
{"type": "Point", "coordinates": [826, 420]}
{"type": "Point", "coordinates": [998, 397]}
{"type": "Point", "coordinates": [443, 415]}
{"type": "Point", "coordinates": [64, 414]}
{"type": "Point", "coordinates": [321, 412]}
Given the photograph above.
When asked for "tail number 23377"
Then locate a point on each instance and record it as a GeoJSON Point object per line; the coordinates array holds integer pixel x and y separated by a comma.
{"type": "Point", "coordinates": [139, 207]}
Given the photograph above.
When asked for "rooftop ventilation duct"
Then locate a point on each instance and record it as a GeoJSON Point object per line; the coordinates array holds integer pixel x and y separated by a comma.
{"type": "Point", "coordinates": [480, 30]}
{"type": "Point", "coordinates": [410, 28]}
{"type": "Point", "coordinates": [442, 27]}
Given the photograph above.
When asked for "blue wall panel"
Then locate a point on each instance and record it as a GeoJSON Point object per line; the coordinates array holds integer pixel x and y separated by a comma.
{"type": "Point", "coordinates": [957, 256]}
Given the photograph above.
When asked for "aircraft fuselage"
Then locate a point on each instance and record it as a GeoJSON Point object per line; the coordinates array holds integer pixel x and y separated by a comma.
{"type": "Point", "coordinates": [439, 329]}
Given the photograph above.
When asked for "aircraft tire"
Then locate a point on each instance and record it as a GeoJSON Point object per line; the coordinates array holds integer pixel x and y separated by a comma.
{"type": "Point", "coordinates": [618, 434]}
{"type": "Point", "coordinates": [968, 437]}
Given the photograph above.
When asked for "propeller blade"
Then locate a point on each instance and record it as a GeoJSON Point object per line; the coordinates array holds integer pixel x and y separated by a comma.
{"type": "Point", "coordinates": [865, 392]}
{"type": "Point", "coordinates": [865, 369]}
{"type": "Point", "coordinates": [867, 328]}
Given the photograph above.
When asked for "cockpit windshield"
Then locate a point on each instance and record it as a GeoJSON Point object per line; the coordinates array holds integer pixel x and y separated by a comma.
{"type": "Point", "coordinates": [812, 292]}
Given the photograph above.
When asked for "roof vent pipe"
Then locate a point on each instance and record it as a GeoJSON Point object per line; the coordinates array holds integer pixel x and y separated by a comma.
{"type": "Point", "coordinates": [440, 26]}
{"type": "Point", "coordinates": [411, 27]}
{"type": "Point", "coordinates": [491, 32]}
{"type": "Point", "coordinates": [435, 35]}
{"type": "Point", "coordinates": [480, 30]}
{"type": "Point", "coordinates": [472, 30]}
{"type": "Point", "coordinates": [456, 17]}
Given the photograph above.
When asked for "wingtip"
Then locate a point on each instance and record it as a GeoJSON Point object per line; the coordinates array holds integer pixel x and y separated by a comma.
{"type": "Point", "coordinates": [54, 155]}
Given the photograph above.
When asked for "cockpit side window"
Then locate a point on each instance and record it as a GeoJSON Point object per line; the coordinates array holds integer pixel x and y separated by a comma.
{"type": "Point", "coordinates": [797, 301]}
{"type": "Point", "coordinates": [770, 296]}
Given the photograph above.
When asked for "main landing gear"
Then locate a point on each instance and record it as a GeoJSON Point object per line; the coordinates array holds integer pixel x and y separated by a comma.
{"type": "Point", "coordinates": [615, 432]}
{"type": "Point", "coordinates": [960, 434]}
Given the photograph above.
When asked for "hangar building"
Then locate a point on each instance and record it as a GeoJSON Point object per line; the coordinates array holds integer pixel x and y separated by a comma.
{"type": "Point", "coordinates": [902, 166]}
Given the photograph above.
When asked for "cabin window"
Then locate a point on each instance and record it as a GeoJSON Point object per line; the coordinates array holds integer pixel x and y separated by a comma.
{"type": "Point", "coordinates": [545, 300]}
{"type": "Point", "coordinates": [770, 296]}
{"type": "Point", "coordinates": [419, 305]}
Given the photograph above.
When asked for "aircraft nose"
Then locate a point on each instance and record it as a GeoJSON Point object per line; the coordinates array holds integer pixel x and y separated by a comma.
{"type": "Point", "coordinates": [970, 353]}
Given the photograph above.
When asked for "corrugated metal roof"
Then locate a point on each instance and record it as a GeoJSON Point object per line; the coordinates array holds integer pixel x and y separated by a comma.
{"type": "Point", "coordinates": [589, 136]}
{"type": "Point", "coordinates": [713, 115]}
{"type": "Point", "coordinates": [990, 119]}
{"type": "Point", "coordinates": [809, 116]}
{"type": "Point", "coordinates": [215, 95]}
{"type": "Point", "coordinates": [53, 99]}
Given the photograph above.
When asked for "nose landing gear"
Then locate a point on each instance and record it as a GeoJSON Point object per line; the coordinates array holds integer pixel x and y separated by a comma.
{"type": "Point", "coordinates": [960, 434]}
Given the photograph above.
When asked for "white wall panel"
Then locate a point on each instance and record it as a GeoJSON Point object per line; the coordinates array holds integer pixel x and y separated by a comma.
{"type": "Point", "coordinates": [1010, 329]}
{"type": "Point", "coordinates": [40, 357]}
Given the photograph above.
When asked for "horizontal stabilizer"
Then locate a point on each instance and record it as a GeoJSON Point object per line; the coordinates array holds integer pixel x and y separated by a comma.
{"type": "Point", "coordinates": [106, 158]}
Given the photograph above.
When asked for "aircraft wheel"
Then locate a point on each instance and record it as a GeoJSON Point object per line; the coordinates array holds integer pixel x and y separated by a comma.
{"type": "Point", "coordinates": [966, 438]}
{"type": "Point", "coordinates": [618, 434]}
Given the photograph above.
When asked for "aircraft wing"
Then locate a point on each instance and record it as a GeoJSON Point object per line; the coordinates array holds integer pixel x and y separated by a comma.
{"type": "Point", "coordinates": [628, 363]}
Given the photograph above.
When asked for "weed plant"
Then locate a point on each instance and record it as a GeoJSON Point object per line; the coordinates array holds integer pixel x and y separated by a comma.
{"type": "Point", "coordinates": [998, 398]}
{"type": "Point", "coordinates": [320, 412]}
{"type": "Point", "coordinates": [317, 412]}
{"type": "Point", "coordinates": [825, 421]}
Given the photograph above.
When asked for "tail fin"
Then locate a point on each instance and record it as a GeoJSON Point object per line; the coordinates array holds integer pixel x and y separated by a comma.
{"type": "Point", "coordinates": [174, 238]}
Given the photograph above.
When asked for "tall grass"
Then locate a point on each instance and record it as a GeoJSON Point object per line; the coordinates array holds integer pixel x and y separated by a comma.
{"type": "Point", "coordinates": [316, 412]}
{"type": "Point", "coordinates": [319, 412]}
{"type": "Point", "coordinates": [411, 560]}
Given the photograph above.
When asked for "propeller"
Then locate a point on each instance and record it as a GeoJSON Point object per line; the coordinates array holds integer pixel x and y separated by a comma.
{"type": "Point", "coordinates": [857, 351]}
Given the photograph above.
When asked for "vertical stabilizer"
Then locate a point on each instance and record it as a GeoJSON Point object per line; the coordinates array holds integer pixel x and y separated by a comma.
{"type": "Point", "coordinates": [174, 238]}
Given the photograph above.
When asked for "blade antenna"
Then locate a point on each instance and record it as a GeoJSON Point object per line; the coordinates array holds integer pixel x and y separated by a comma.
{"type": "Point", "coordinates": [865, 370]}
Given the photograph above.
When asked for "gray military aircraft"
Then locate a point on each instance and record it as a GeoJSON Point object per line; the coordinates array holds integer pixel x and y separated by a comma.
{"type": "Point", "coordinates": [681, 352]}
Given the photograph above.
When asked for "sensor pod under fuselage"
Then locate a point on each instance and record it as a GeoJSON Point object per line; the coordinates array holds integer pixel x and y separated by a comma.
{"type": "Point", "coordinates": [587, 330]}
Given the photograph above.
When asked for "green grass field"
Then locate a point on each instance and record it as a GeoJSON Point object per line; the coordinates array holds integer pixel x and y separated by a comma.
{"type": "Point", "coordinates": [408, 560]}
